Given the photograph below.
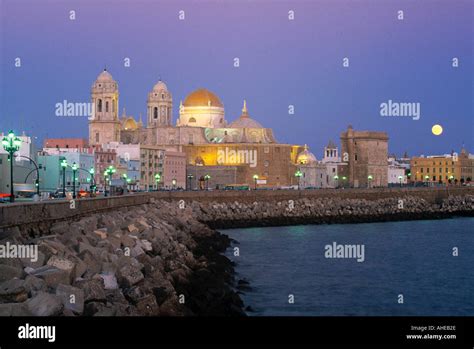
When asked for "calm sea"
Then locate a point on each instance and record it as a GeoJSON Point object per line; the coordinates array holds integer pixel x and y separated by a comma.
{"type": "Point", "coordinates": [410, 261]}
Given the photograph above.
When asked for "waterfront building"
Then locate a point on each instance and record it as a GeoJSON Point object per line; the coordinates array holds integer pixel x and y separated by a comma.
{"type": "Point", "coordinates": [365, 153]}
{"type": "Point", "coordinates": [174, 170]}
{"type": "Point", "coordinates": [444, 168]}
{"type": "Point", "coordinates": [51, 172]}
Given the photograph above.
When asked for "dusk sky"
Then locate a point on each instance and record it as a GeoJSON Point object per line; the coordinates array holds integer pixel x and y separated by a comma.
{"type": "Point", "coordinates": [282, 63]}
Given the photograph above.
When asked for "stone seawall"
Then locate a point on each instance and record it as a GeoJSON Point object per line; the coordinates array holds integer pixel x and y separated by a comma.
{"type": "Point", "coordinates": [328, 210]}
{"type": "Point", "coordinates": [157, 254]}
{"type": "Point", "coordinates": [20, 214]}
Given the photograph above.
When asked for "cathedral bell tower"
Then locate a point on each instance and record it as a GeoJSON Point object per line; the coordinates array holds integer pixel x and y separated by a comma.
{"type": "Point", "coordinates": [104, 124]}
{"type": "Point", "coordinates": [159, 106]}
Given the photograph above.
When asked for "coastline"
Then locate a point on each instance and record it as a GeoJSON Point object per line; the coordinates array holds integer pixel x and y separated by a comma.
{"type": "Point", "coordinates": [164, 259]}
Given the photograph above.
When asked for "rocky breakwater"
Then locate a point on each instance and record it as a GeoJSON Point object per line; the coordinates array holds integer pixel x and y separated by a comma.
{"type": "Point", "coordinates": [328, 210]}
{"type": "Point", "coordinates": [153, 259]}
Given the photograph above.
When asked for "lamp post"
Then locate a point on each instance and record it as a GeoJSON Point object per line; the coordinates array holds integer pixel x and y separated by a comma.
{"type": "Point", "coordinates": [336, 178]}
{"type": "Point", "coordinates": [451, 178]}
{"type": "Point", "coordinates": [190, 177]}
{"type": "Point", "coordinates": [344, 181]}
{"type": "Point", "coordinates": [64, 166]}
{"type": "Point", "coordinates": [400, 178]}
{"type": "Point", "coordinates": [11, 144]}
{"type": "Point", "coordinates": [157, 180]}
{"type": "Point", "coordinates": [207, 178]}
{"type": "Point", "coordinates": [74, 170]}
{"type": "Point", "coordinates": [298, 175]}
{"type": "Point", "coordinates": [108, 172]}
{"type": "Point", "coordinates": [369, 181]}
{"type": "Point", "coordinates": [255, 178]}
{"type": "Point", "coordinates": [173, 182]}
{"type": "Point", "coordinates": [92, 186]}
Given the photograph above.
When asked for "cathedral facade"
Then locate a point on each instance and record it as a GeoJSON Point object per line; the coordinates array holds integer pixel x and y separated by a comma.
{"type": "Point", "coordinates": [201, 132]}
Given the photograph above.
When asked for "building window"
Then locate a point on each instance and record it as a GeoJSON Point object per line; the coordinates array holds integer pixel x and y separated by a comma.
{"type": "Point", "coordinates": [266, 150]}
{"type": "Point", "coordinates": [97, 137]}
{"type": "Point", "coordinates": [99, 106]}
{"type": "Point", "coordinates": [192, 120]}
{"type": "Point", "coordinates": [266, 163]}
{"type": "Point", "coordinates": [155, 113]}
{"type": "Point", "coordinates": [162, 96]}
{"type": "Point", "coordinates": [355, 157]}
{"type": "Point", "coordinates": [106, 107]}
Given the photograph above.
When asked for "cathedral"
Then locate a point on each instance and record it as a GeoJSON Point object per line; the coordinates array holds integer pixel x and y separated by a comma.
{"type": "Point", "coordinates": [240, 149]}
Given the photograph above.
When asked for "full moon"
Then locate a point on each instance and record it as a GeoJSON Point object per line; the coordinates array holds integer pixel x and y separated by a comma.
{"type": "Point", "coordinates": [437, 129]}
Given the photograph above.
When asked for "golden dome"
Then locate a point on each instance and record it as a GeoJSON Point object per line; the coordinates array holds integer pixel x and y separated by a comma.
{"type": "Point", "coordinates": [306, 157]}
{"type": "Point", "coordinates": [130, 124]}
{"type": "Point", "coordinates": [202, 98]}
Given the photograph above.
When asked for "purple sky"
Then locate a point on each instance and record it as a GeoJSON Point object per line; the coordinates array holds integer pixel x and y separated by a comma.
{"type": "Point", "coordinates": [281, 63]}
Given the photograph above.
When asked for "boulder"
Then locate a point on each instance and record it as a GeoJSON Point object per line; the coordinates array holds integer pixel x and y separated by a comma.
{"type": "Point", "coordinates": [110, 281]}
{"type": "Point", "coordinates": [27, 262]}
{"type": "Point", "coordinates": [93, 290]}
{"type": "Point", "coordinates": [129, 275]}
{"type": "Point", "coordinates": [45, 304]}
{"type": "Point", "coordinates": [9, 272]}
{"type": "Point", "coordinates": [147, 306]}
{"type": "Point", "coordinates": [34, 285]}
{"type": "Point", "coordinates": [52, 276]}
{"type": "Point", "coordinates": [13, 291]}
{"type": "Point", "coordinates": [72, 298]}
{"type": "Point", "coordinates": [63, 264]}
{"type": "Point", "coordinates": [14, 309]}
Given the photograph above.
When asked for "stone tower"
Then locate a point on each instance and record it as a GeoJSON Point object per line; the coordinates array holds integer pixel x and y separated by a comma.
{"type": "Point", "coordinates": [159, 106]}
{"type": "Point", "coordinates": [365, 153]}
{"type": "Point", "coordinates": [104, 124]}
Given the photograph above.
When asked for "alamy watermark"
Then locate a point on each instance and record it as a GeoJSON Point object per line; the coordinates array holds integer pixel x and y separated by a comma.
{"type": "Point", "coordinates": [335, 250]}
{"type": "Point", "coordinates": [229, 156]}
{"type": "Point", "coordinates": [19, 251]}
{"type": "Point", "coordinates": [409, 109]}
{"type": "Point", "coordinates": [66, 108]}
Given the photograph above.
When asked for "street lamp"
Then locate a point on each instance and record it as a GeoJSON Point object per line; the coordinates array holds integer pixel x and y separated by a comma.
{"type": "Point", "coordinates": [369, 178]}
{"type": "Point", "coordinates": [400, 178]}
{"type": "Point", "coordinates": [344, 178]}
{"type": "Point", "coordinates": [157, 180]}
{"type": "Point", "coordinates": [451, 178]}
{"type": "Point", "coordinates": [108, 172]}
{"type": "Point", "coordinates": [255, 178]}
{"type": "Point", "coordinates": [427, 178]}
{"type": "Point", "coordinates": [11, 144]}
{"type": "Point", "coordinates": [190, 177]}
{"type": "Point", "coordinates": [64, 166]}
{"type": "Point", "coordinates": [91, 172]}
{"type": "Point", "coordinates": [207, 178]}
{"type": "Point", "coordinates": [173, 182]}
{"type": "Point", "coordinates": [125, 177]}
{"type": "Point", "coordinates": [336, 178]}
{"type": "Point", "coordinates": [74, 170]}
{"type": "Point", "coordinates": [298, 175]}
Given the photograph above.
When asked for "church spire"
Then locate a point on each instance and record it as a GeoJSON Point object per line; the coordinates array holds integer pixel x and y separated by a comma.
{"type": "Point", "coordinates": [244, 110]}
